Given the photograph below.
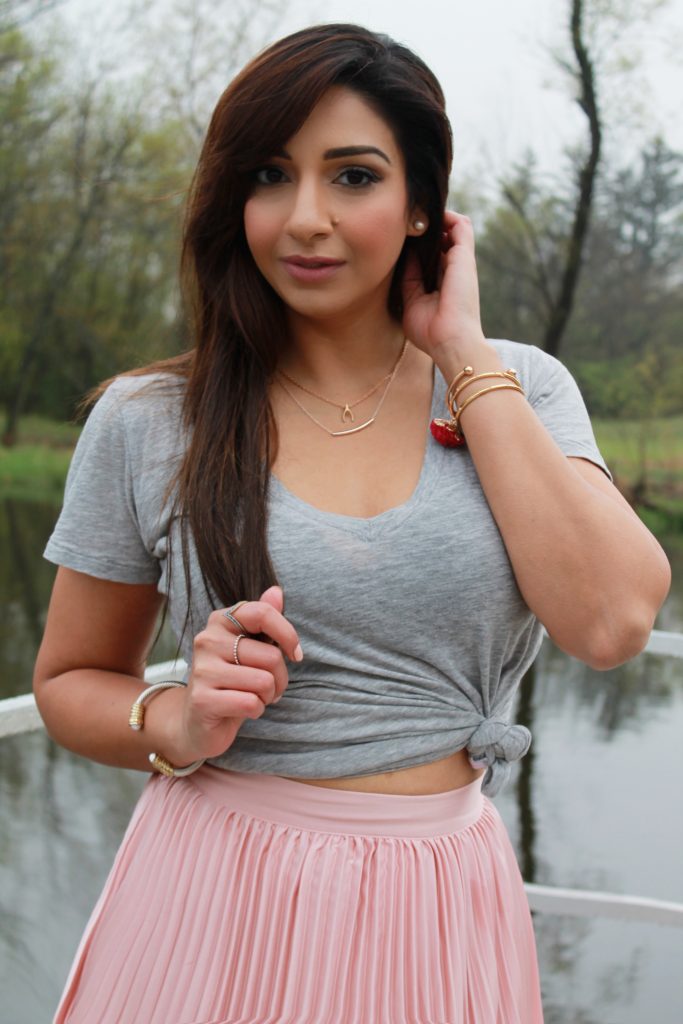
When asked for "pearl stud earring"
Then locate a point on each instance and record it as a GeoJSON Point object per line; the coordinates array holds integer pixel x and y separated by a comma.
{"type": "Point", "coordinates": [419, 225]}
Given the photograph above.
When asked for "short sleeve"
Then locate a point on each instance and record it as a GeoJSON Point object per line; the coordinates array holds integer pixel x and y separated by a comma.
{"type": "Point", "coordinates": [556, 399]}
{"type": "Point", "coordinates": [98, 530]}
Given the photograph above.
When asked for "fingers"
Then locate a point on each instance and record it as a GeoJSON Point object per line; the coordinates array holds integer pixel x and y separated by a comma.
{"type": "Point", "coordinates": [458, 228]}
{"type": "Point", "coordinates": [274, 595]}
{"type": "Point", "coordinates": [221, 693]}
{"type": "Point", "coordinates": [412, 284]}
{"type": "Point", "coordinates": [262, 617]}
{"type": "Point", "coordinates": [253, 654]}
{"type": "Point", "coordinates": [215, 675]}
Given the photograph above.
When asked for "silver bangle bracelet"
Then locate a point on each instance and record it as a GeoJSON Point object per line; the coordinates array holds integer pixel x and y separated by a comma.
{"type": "Point", "coordinates": [136, 718]}
{"type": "Point", "coordinates": [136, 721]}
{"type": "Point", "coordinates": [160, 764]}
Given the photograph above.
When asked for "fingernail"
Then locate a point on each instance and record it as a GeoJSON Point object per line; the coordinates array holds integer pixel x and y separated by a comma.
{"type": "Point", "coordinates": [298, 653]}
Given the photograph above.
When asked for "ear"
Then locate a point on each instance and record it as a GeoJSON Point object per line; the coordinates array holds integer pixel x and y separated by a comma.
{"type": "Point", "coordinates": [418, 223]}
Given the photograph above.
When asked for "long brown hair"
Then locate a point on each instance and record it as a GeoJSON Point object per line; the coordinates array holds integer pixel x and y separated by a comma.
{"type": "Point", "coordinates": [238, 320]}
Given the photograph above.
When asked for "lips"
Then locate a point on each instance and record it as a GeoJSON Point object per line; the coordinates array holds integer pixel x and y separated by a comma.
{"type": "Point", "coordinates": [313, 261]}
{"type": "Point", "coordinates": [311, 269]}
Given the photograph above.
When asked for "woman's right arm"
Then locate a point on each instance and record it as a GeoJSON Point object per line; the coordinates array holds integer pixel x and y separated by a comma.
{"type": "Point", "coordinates": [90, 670]}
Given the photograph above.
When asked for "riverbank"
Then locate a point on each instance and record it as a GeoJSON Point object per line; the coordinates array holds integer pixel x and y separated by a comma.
{"type": "Point", "coordinates": [646, 459]}
{"type": "Point", "coordinates": [35, 468]}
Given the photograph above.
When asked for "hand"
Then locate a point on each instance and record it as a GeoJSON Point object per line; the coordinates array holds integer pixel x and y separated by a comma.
{"type": "Point", "coordinates": [448, 319]}
{"type": "Point", "coordinates": [221, 694]}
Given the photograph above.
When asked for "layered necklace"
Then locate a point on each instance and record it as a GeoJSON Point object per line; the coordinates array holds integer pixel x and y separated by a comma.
{"type": "Point", "coordinates": [345, 407]}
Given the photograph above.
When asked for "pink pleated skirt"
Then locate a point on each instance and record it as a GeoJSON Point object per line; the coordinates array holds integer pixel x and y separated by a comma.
{"type": "Point", "coordinates": [253, 899]}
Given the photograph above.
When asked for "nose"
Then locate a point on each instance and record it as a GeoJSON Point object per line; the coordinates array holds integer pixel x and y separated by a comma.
{"type": "Point", "coordinates": [310, 214]}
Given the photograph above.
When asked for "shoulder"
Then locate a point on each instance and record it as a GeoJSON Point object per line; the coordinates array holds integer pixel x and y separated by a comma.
{"type": "Point", "coordinates": [535, 368]}
{"type": "Point", "coordinates": [140, 401]}
{"type": "Point", "coordinates": [555, 397]}
{"type": "Point", "coordinates": [155, 388]}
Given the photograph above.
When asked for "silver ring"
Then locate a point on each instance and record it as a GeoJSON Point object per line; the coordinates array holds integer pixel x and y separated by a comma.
{"type": "Point", "coordinates": [229, 615]}
{"type": "Point", "coordinates": [235, 646]}
{"type": "Point", "coordinates": [235, 622]}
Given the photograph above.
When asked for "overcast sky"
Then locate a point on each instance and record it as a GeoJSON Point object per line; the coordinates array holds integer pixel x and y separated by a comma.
{"type": "Point", "coordinates": [503, 90]}
{"type": "Point", "coordinates": [493, 57]}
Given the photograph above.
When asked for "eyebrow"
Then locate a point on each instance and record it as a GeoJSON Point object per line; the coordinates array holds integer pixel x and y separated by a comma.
{"type": "Point", "coordinates": [341, 151]}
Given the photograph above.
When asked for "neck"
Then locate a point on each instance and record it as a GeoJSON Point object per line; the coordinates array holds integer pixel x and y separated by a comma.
{"type": "Point", "coordinates": [340, 357]}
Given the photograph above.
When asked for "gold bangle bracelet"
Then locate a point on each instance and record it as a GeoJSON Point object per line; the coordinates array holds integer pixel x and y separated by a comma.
{"type": "Point", "coordinates": [164, 767]}
{"type": "Point", "coordinates": [453, 391]}
{"type": "Point", "coordinates": [484, 391]}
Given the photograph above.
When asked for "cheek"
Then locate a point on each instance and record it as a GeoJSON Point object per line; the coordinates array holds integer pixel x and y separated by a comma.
{"type": "Point", "coordinates": [258, 229]}
{"type": "Point", "coordinates": [380, 233]}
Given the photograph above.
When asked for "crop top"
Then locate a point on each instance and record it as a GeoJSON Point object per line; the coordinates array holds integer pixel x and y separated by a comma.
{"type": "Point", "coordinates": [414, 632]}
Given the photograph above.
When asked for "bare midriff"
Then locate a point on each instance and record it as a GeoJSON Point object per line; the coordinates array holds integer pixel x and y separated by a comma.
{"type": "Point", "coordinates": [450, 772]}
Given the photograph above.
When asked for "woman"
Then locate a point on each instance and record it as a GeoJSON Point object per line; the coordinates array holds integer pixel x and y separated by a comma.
{"type": "Point", "coordinates": [331, 852]}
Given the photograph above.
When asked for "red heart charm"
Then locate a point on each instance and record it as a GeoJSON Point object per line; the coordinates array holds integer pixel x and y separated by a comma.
{"type": "Point", "coordinates": [443, 432]}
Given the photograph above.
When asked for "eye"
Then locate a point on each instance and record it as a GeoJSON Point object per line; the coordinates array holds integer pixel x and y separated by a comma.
{"type": "Point", "coordinates": [358, 177]}
{"type": "Point", "coordinates": [270, 175]}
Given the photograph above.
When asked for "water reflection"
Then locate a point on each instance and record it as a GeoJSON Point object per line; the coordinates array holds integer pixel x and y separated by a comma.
{"type": "Point", "coordinates": [590, 806]}
{"type": "Point", "coordinates": [25, 584]}
{"type": "Point", "coordinates": [527, 817]}
{"type": "Point", "coordinates": [62, 820]}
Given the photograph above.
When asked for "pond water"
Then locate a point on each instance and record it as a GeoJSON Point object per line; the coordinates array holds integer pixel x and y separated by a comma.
{"type": "Point", "coordinates": [595, 804]}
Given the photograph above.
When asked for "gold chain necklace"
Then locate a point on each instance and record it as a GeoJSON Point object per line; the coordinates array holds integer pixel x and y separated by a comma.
{"type": "Point", "coordinates": [362, 426]}
{"type": "Point", "coordinates": [346, 407]}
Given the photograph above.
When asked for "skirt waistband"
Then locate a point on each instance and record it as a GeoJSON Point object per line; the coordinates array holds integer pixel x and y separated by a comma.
{"type": "Point", "coordinates": [322, 809]}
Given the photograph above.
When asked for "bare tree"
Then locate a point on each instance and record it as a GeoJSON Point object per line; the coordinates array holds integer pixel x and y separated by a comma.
{"type": "Point", "coordinates": [584, 77]}
{"type": "Point", "coordinates": [98, 152]}
{"type": "Point", "coordinates": [597, 29]}
{"type": "Point", "coordinates": [205, 43]}
{"type": "Point", "coordinates": [96, 155]}
{"type": "Point", "coordinates": [554, 268]}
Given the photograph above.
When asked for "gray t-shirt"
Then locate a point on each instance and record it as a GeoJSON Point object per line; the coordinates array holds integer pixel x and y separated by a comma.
{"type": "Point", "coordinates": [414, 631]}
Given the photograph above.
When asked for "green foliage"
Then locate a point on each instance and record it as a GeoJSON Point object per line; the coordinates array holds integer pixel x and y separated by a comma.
{"type": "Point", "coordinates": [633, 386]}
{"type": "Point", "coordinates": [622, 341]}
{"type": "Point", "coordinates": [90, 215]}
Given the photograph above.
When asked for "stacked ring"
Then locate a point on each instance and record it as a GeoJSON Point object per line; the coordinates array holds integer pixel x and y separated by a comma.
{"type": "Point", "coordinates": [229, 614]}
{"type": "Point", "coordinates": [235, 645]}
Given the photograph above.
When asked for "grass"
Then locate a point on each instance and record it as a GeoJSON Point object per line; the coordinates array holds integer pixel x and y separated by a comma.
{"type": "Point", "coordinates": [35, 468]}
{"type": "Point", "coordinates": [34, 472]}
{"type": "Point", "coordinates": [647, 455]}
{"type": "Point", "coordinates": [36, 430]}
{"type": "Point", "coordinates": [655, 445]}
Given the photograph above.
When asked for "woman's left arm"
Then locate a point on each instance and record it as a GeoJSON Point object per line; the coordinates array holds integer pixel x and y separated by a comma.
{"type": "Point", "coordinates": [585, 564]}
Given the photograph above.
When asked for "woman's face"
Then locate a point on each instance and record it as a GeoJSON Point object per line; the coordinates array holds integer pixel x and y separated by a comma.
{"type": "Point", "coordinates": [336, 193]}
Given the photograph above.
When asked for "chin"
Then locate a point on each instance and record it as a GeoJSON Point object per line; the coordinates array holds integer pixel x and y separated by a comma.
{"type": "Point", "coordinates": [323, 306]}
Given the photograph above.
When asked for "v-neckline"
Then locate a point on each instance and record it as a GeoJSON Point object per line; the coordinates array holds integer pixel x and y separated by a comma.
{"type": "Point", "coordinates": [391, 515]}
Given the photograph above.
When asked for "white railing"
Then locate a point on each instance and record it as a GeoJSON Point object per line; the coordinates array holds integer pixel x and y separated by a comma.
{"type": "Point", "coordinates": [19, 715]}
